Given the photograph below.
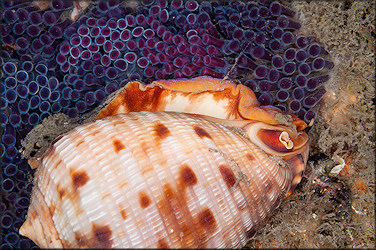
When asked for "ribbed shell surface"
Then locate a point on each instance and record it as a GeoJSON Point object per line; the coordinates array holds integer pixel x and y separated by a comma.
{"type": "Point", "coordinates": [157, 180]}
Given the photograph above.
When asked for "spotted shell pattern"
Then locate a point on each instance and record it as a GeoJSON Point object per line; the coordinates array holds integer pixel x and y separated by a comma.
{"type": "Point", "coordinates": [156, 179]}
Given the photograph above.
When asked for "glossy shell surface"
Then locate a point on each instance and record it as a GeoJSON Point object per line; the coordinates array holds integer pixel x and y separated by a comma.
{"type": "Point", "coordinates": [156, 179]}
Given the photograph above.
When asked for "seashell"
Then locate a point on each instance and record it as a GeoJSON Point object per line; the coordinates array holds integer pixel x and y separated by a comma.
{"type": "Point", "coordinates": [164, 179]}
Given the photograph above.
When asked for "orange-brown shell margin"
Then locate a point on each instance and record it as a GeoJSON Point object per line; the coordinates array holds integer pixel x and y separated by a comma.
{"type": "Point", "coordinates": [237, 101]}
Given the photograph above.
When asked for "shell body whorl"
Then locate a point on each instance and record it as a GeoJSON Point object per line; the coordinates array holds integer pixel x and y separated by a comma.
{"type": "Point", "coordinates": [156, 180]}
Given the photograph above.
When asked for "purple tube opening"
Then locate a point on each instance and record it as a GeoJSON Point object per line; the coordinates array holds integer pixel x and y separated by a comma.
{"type": "Point", "coordinates": [99, 71]}
{"type": "Point", "coordinates": [138, 31]}
{"type": "Point", "coordinates": [277, 33]}
{"type": "Point", "coordinates": [309, 102]}
{"type": "Point", "coordinates": [275, 8]}
{"type": "Point", "coordinates": [105, 60]}
{"type": "Point", "coordinates": [125, 35]}
{"type": "Point", "coordinates": [94, 31]}
{"type": "Point", "coordinates": [261, 72]}
{"type": "Point", "coordinates": [312, 84]}
{"type": "Point", "coordinates": [132, 45]}
{"type": "Point", "coordinates": [61, 59]}
{"type": "Point", "coordinates": [282, 95]}
{"type": "Point", "coordinates": [302, 42]}
{"type": "Point", "coordinates": [295, 106]}
{"type": "Point", "coordinates": [93, 48]}
{"type": "Point", "coordinates": [289, 68]}
{"type": "Point", "coordinates": [115, 35]}
{"type": "Point", "coordinates": [35, 18]}
{"type": "Point", "coordinates": [85, 41]}
{"type": "Point", "coordinates": [275, 45]}
{"type": "Point", "coordinates": [163, 16]}
{"type": "Point", "coordinates": [273, 75]}
{"type": "Point", "coordinates": [304, 69]}
{"type": "Point", "coordinates": [301, 55]}
{"type": "Point", "coordinates": [285, 83]}
{"type": "Point", "coordinates": [298, 94]}
{"type": "Point", "coordinates": [191, 5]}
{"type": "Point", "coordinates": [130, 57]}
{"type": "Point", "coordinates": [318, 64]}
{"type": "Point", "coordinates": [265, 99]}
{"type": "Point", "coordinates": [75, 52]}
{"type": "Point", "coordinates": [289, 54]}
{"type": "Point", "coordinates": [149, 33]}
{"type": "Point", "coordinates": [142, 62]}
{"type": "Point", "coordinates": [300, 80]}
{"type": "Point", "coordinates": [114, 54]}
{"type": "Point", "coordinates": [75, 40]}
{"type": "Point", "coordinates": [259, 38]}
{"type": "Point", "coordinates": [83, 30]}
{"type": "Point", "coordinates": [169, 67]}
{"type": "Point", "coordinates": [277, 62]}
{"type": "Point", "coordinates": [288, 38]}
{"type": "Point", "coordinates": [264, 86]}
{"type": "Point", "coordinates": [122, 23]}
{"type": "Point", "coordinates": [314, 50]}
{"type": "Point", "coordinates": [131, 20]}
{"type": "Point", "coordinates": [121, 64]}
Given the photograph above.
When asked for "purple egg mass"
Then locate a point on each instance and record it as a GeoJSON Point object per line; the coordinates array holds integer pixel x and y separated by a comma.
{"type": "Point", "coordinates": [52, 64]}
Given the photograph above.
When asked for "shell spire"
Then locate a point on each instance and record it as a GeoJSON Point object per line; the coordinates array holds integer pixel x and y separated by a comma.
{"type": "Point", "coordinates": [39, 225]}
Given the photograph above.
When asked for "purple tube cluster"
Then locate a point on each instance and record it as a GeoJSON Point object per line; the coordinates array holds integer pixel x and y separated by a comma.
{"type": "Point", "coordinates": [254, 42]}
{"type": "Point", "coordinates": [33, 31]}
{"type": "Point", "coordinates": [29, 94]}
{"type": "Point", "coordinates": [50, 64]}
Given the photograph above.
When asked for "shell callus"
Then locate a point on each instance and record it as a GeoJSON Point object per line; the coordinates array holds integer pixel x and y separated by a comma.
{"type": "Point", "coordinates": [154, 179]}
{"type": "Point", "coordinates": [201, 95]}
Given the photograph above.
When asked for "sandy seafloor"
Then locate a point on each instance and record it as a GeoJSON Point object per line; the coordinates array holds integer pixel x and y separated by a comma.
{"type": "Point", "coordinates": [337, 210]}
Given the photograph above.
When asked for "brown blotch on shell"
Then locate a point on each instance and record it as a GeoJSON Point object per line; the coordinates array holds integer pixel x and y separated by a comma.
{"type": "Point", "coordinates": [102, 235]}
{"type": "Point", "coordinates": [79, 178]}
{"type": "Point", "coordinates": [187, 176]}
{"type": "Point", "coordinates": [55, 166]}
{"type": "Point", "coordinates": [227, 175]}
{"type": "Point", "coordinates": [162, 244]}
{"type": "Point", "coordinates": [133, 100]}
{"type": "Point", "coordinates": [161, 130]}
{"type": "Point", "coordinates": [250, 157]}
{"type": "Point", "coordinates": [207, 219]}
{"type": "Point", "coordinates": [118, 145]}
{"type": "Point", "coordinates": [173, 205]}
{"type": "Point", "coordinates": [144, 200]}
{"type": "Point", "coordinates": [94, 133]}
{"type": "Point", "coordinates": [81, 240]}
{"type": "Point", "coordinates": [268, 186]}
{"type": "Point", "coordinates": [202, 132]}
{"type": "Point", "coordinates": [123, 214]}
{"type": "Point", "coordinates": [79, 143]}
{"type": "Point", "coordinates": [61, 191]}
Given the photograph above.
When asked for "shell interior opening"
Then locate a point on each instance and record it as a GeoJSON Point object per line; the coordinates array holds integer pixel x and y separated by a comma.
{"type": "Point", "coordinates": [277, 140]}
{"type": "Point", "coordinates": [285, 140]}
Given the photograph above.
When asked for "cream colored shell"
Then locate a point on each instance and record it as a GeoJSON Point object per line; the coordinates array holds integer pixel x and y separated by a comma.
{"type": "Point", "coordinates": [155, 180]}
